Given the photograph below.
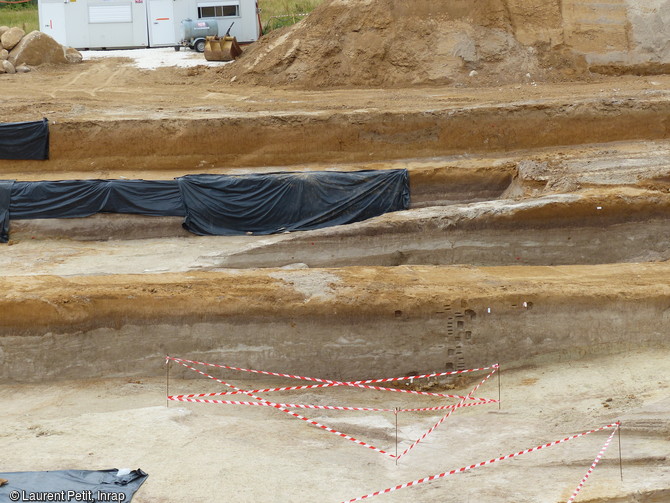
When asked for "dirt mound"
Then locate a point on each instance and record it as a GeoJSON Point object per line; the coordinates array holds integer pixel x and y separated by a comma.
{"type": "Point", "coordinates": [38, 48]}
{"type": "Point", "coordinates": [398, 43]}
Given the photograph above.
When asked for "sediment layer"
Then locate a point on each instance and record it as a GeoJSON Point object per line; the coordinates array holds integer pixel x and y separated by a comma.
{"type": "Point", "coordinates": [352, 321]}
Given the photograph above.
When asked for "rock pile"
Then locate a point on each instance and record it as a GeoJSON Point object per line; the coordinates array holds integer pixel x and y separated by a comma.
{"type": "Point", "coordinates": [19, 52]}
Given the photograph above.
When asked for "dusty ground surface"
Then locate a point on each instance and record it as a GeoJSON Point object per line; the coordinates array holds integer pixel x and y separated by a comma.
{"type": "Point", "coordinates": [113, 88]}
{"type": "Point", "coordinates": [201, 453]}
{"type": "Point", "coordinates": [528, 174]}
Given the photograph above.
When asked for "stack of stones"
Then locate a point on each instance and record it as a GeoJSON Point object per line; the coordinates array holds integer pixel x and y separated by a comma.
{"type": "Point", "coordinates": [9, 37]}
{"type": "Point", "coordinates": [19, 52]}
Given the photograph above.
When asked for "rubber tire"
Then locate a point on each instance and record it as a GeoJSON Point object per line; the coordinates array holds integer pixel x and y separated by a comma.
{"type": "Point", "coordinates": [199, 46]}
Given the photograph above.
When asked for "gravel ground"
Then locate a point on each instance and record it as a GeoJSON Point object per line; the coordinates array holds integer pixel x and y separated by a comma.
{"type": "Point", "coordinates": [158, 57]}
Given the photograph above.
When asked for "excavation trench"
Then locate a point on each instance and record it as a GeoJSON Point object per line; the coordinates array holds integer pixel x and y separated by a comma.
{"type": "Point", "coordinates": [486, 206]}
{"type": "Point", "coordinates": [581, 228]}
{"type": "Point", "coordinates": [294, 141]}
{"type": "Point", "coordinates": [432, 186]}
{"type": "Point", "coordinates": [458, 216]}
{"type": "Point", "coordinates": [261, 139]}
{"type": "Point", "coordinates": [537, 238]}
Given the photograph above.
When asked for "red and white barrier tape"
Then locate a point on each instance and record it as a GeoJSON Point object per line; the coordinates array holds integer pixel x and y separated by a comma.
{"type": "Point", "coordinates": [283, 408]}
{"type": "Point", "coordinates": [294, 414]}
{"type": "Point", "coordinates": [445, 407]}
{"type": "Point", "coordinates": [595, 463]}
{"type": "Point", "coordinates": [375, 388]}
{"type": "Point", "coordinates": [272, 404]}
{"type": "Point", "coordinates": [322, 407]}
{"type": "Point", "coordinates": [425, 376]}
{"type": "Point", "coordinates": [238, 390]}
{"type": "Point", "coordinates": [328, 381]}
{"type": "Point", "coordinates": [294, 388]}
{"type": "Point", "coordinates": [446, 416]}
{"type": "Point", "coordinates": [494, 460]}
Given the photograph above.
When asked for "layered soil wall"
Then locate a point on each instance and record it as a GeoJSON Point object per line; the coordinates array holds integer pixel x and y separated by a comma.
{"type": "Point", "coordinates": [340, 323]}
{"type": "Point", "coordinates": [582, 228]}
{"type": "Point", "coordinates": [324, 137]}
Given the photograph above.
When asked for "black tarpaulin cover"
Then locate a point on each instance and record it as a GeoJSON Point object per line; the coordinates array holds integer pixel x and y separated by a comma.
{"type": "Point", "coordinates": [278, 202]}
{"type": "Point", "coordinates": [72, 485]}
{"type": "Point", "coordinates": [24, 140]}
{"type": "Point", "coordinates": [83, 198]}
{"type": "Point", "coordinates": [5, 196]}
{"type": "Point", "coordinates": [217, 204]}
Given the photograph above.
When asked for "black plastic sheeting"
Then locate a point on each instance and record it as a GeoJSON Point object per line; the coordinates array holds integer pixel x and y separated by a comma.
{"type": "Point", "coordinates": [24, 140]}
{"type": "Point", "coordinates": [279, 202]}
{"type": "Point", "coordinates": [71, 485]}
{"type": "Point", "coordinates": [217, 204]}
{"type": "Point", "coordinates": [83, 198]}
{"type": "Point", "coordinates": [5, 197]}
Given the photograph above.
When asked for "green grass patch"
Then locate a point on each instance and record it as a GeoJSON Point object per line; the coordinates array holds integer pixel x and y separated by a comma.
{"type": "Point", "coordinates": [25, 18]}
{"type": "Point", "coordinates": [279, 13]}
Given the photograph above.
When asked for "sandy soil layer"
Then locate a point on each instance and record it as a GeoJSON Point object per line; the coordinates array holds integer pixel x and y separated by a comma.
{"type": "Point", "coordinates": [585, 227]}
{"type": "Point", "coordinates": [201, 453]}
{"type": "Point", "coordinates": [114, 89]}
{"type": "Point", "coordinates": [350, 320]}
{"type": "Point", "coordinates": [405, 128]}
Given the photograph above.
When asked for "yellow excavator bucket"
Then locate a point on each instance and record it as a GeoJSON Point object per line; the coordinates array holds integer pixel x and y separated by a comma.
{"type": "Point", "coordinates": [222, 49]}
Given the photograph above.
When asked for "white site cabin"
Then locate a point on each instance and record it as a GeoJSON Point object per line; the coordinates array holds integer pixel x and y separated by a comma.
{"type": "Point", "coordinates": [98, 24]}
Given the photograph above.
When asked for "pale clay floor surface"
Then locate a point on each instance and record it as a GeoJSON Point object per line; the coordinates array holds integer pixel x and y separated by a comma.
{"type": "Point", "coordinates": [205, 453]}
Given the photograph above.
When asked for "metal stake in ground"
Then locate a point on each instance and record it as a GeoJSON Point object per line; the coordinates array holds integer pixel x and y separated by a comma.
{"type": "Point", "coordinates": [167, 381]}
{"type": "Point", "coordinates": [620, 460]}
{"type": "Point", "coordinates": [396, 436]}
{"type": "Point", "coordinates": [499, 401]}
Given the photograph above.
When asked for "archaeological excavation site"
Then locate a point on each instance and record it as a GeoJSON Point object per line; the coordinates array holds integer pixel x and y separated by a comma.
{"type": "Point", "coordinates": [215, 274]}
